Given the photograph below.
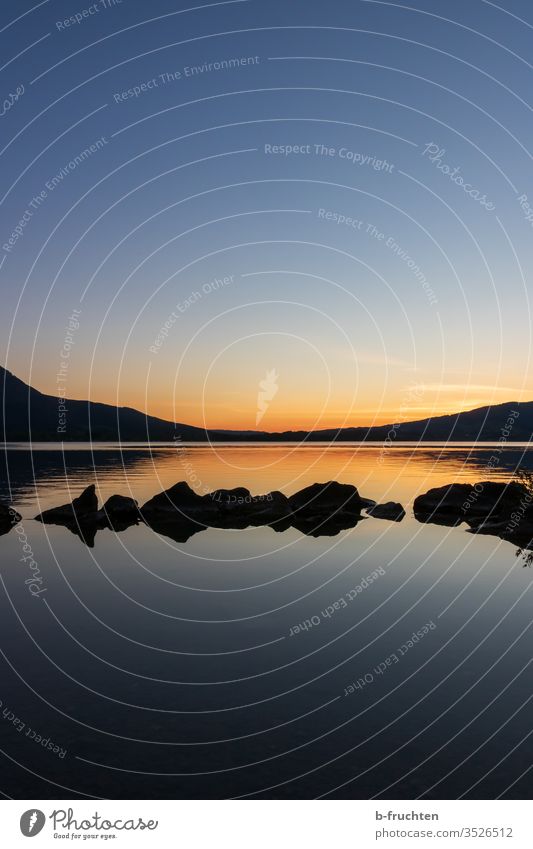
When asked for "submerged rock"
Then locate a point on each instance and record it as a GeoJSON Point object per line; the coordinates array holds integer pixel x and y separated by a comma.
{"type": "Point", "coordinates": [8, 518]}
{"type": "Point", "coordinates": [391, 510]}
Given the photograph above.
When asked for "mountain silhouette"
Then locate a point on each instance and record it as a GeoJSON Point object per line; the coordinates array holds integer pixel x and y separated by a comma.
{"type": "Point", "coordinates": [28, 415]}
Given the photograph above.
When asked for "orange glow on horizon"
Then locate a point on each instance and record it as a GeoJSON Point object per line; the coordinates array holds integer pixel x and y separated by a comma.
{"type": "Point", "coordinates": [298, 405]}
{"type": "Point", "coordinates": [274, 422]}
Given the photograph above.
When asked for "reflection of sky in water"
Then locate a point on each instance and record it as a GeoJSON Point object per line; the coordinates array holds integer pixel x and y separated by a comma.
{"type": "Point", "coordinates": [399, 473]}
{"type": "Point", "coordinates": [141, 639]}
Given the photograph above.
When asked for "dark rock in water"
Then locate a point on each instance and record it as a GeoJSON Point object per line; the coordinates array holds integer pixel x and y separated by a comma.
{"type": "Point", "coordinates": [238, 508]}
{"type": "Point", "coordinates": [87, 502]}
{"type": "Point", "coordinates": [8, 515]}
{"type": "Point", "coordinates": [80, 517]}
{"type": "Point", "coordinates": [83, 518]}
{"type": "Point", "coordinates": [271, 509]}
{"type": "Point", "coordinates": [323, 499]}
{"type": "Point", "coordinates": [180, 499]}
{"type": "Point", "coordinates": [83, 506]}
{"type": "Point", "coordinates": [223, 508]}
{"type": "Point", "coordinates": [319, 509]}
{"type": "Point", "coordinates": [228, 508]}
{"type": "Point", "coordinates": [178, 512]}
{"type": "Point", "coordinates": [391, 510]}
{"type": "Point", "coordinates": [121, 506]}
{"type": "Point", "coordinates": [229, 499]}
{"type": "Point", "coordinates": [442, 501]}
{"type": "Point", "coordinates": [8, 518]}
{"type": "Point", "coordinates": [118, 513]}
{"type": "Point", "coordinates": [326, 509]}
{"type": "Point", "coordinates": [459, 502]}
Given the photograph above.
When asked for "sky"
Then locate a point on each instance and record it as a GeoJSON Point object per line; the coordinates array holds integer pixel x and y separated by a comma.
{"type": "Point", "coordinates": [271, 214]}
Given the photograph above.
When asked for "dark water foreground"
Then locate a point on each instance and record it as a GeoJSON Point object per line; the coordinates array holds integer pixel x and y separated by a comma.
{"type": "Point", "coordinates": [390, 660]}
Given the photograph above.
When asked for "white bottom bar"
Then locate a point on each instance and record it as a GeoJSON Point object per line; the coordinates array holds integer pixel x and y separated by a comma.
{"type": "Point", "coordinates": [264, 824]}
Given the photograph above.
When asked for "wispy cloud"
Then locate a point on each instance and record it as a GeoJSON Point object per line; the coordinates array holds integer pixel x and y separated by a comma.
{"type": "Point", "coordinates": [466, 388]}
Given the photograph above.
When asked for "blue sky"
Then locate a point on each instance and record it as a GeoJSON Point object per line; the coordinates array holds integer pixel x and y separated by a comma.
{"type": "Point", "coordinates": [358, 263]}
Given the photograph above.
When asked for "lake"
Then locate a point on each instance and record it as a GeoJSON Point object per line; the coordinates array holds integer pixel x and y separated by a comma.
{"type": "Point", "coordinates": [390, 661]}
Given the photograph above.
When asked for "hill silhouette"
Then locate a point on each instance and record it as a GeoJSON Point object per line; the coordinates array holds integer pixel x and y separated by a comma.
{"type": "Point", "coordinates": [28, 415]}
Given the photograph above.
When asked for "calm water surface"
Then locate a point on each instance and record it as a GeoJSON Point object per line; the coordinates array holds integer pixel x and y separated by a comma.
{"type": "Point", "coordinates": [148, 668]}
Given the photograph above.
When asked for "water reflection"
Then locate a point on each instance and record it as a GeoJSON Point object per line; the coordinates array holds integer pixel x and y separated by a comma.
{"type": "Point", "coordinates": [170, 658]}
{"type": "Point", "coordinates": [41, 478]}
{"type": "Point", "coordinates": [31, 478]}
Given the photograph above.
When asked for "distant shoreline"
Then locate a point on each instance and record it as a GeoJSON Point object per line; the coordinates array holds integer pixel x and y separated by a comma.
{"type": "Point", "coordinates": [130, 444]}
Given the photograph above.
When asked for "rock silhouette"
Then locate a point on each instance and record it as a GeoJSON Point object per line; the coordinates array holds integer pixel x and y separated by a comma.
{"type": "Point", "coordinates": [331, 497]}
{"type": "Point", "coordinates": [78, 510]}
{"type": "Point", "coordinates": [179, 499]}
{"type": "Point", "coordinates": [457, 501]}
{"type": "Point", "coordinates": [326, 509]}
{"type": "Point", "coordinates": [83, 518]}
{"type": "Point", "coordinates": [118, 513]}
{"type": "Point", "coordinates": [179, 513]}
{"type": "Point", "coordinates": [322, 509]}
{"type": "Point", "coordinates": [391, 510]}
{"type": "Point", "coordinates": [504, 510]}
{"type": "Point", "coordinates": [8, 518]}
{"type": "Point", "coordinates": [239, 508]}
